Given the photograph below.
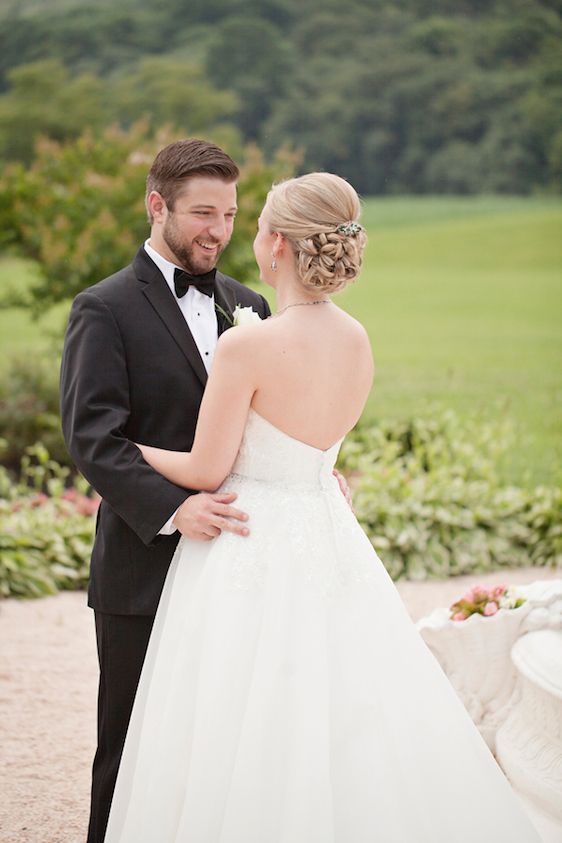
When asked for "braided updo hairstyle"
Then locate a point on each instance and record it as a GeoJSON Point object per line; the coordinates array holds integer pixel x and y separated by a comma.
{"type": "Point", "coordinates": [314, 212]}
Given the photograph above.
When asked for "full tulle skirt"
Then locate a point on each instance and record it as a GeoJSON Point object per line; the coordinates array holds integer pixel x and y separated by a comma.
{"type": "Point", "coordinates": [287, 697]}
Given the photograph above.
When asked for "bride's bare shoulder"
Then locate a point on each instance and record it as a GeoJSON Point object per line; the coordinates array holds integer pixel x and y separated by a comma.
{"type": "Point", "coordinates": [353, 327]}
{"type": "Point", "coordinates": [356, 340]}
{"type": "Point", "coordinates": [258, 337]}
{"type": "Point", "coordinates": [243, 338]}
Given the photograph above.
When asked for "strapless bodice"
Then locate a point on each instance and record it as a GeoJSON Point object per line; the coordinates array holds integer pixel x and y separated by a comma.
{"type": "Point", "coordinates": [268, 454]}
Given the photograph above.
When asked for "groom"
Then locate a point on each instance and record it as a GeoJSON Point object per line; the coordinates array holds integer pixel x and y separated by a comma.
{"type": "Point", "coordinates": [137, 352]}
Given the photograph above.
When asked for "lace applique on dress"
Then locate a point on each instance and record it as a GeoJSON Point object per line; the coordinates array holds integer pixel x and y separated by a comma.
{"type": "Point", "coordinates": [278, 478]}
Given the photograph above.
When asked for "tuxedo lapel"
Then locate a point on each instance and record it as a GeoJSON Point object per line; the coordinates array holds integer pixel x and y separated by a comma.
{"type": "Point", "coordinates": [225, 299]}
{"type": "Point", "coordinates": [162, 300]}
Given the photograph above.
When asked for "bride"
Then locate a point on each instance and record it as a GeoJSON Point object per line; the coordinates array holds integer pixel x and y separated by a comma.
{"type": "Point", "coordinates": [286, 696]}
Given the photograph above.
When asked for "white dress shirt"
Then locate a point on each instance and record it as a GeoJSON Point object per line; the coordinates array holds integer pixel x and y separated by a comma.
{"type": "Point", "coordinates": [197, 308]}
{"type": "Point", "coordinates": [199, 312]}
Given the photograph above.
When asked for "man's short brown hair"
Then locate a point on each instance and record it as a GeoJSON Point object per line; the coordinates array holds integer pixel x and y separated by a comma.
{"type": "Point", "coordinates": [184, 159]}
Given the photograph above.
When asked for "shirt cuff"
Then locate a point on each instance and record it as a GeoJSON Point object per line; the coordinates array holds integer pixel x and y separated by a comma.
{"type": "Point", "coordinates": [169, 527]}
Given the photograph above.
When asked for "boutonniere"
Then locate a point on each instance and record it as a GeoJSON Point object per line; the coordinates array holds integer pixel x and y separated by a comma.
{"type": "Point", "coordinates": [240, 315]}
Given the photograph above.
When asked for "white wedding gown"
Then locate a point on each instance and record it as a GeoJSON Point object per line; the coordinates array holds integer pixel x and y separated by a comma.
{"type": "Point", "coordinates": [286, 695]}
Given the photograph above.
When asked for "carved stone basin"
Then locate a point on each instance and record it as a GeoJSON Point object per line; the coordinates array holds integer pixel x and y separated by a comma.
{"type": "Point", "coordinates": [476, 653]}
{"type": "Point", "coordinates": [529, 743]}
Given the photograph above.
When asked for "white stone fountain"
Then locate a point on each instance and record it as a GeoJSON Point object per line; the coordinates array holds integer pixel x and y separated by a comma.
{"type": "Point", "coordinates": [529, 743]}
{"type": "Point", "coordinates": [476, 653]}
{"type": "Point", "coordinates": [507, 669]}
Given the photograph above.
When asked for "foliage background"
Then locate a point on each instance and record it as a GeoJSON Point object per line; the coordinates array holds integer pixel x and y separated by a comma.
{"type": "Point", "coordinates": [454, 96]}
{"type": "Point", "coordinates": [446, 115]}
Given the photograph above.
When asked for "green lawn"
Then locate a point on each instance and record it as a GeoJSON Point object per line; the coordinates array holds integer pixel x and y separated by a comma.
{"type": "Point", "coordinates": [19, 333]}
{"type": "Point", "coordinates": [462, 299]}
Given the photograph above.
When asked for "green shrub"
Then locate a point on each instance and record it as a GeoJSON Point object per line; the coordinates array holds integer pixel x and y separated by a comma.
{"type": "Point", "coordinates": [428, 494]}
{"type": "Point", "coordinates": [46, 529]}
{"type": "Point", "coordinates": [29, 409]}
{"type": "Point", "coordinates": [78, 211]}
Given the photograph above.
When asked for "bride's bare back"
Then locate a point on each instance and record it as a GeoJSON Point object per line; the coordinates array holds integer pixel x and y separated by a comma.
{"type": "Point", "coordinates": [308, 370]}
{"type": "Point", "coordinates": [313, 373]}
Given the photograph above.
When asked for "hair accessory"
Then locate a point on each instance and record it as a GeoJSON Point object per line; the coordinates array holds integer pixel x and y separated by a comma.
{"type": "Point", "coordinates": [352, 229]}
{"type": "Point", "coordinates": [274, 265]}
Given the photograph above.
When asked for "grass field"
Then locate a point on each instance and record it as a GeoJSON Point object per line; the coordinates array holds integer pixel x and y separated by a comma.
{"type": "Point", "coordinates": [19, 333]}
{"type": "Point", "coordinates": [462, 298]}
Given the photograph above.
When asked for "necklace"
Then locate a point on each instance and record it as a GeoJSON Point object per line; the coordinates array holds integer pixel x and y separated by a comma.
{"type": "Point", "coordinates": [301, 304]}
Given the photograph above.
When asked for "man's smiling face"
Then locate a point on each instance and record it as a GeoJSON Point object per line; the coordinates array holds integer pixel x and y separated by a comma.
{"type": "Point", "coordinates": [195, 233]}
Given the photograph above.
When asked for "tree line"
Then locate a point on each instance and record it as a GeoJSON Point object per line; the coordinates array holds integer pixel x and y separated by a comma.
{"type": "Point", "coordinates": [401, 97]}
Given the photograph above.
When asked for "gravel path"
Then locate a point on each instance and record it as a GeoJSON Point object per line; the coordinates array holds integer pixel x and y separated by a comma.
{"type": "Point", "coordinates": [48, 686]}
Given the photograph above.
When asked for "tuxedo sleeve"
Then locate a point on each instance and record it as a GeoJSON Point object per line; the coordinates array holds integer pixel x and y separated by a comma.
{"type": "Point", "coordinates": [266, 310]}
{"type": "Point", "coordinates": [95, 408]}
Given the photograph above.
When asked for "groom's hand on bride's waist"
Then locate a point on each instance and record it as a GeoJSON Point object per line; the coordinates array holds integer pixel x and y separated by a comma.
{"type": "Point", "coordinates": [344, 487]}
{"type": "Point", "coordinates": [204, 516]}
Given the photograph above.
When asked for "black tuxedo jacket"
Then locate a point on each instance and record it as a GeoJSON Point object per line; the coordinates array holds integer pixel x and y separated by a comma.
{"type": "Point", "coordinates": [131, 372]}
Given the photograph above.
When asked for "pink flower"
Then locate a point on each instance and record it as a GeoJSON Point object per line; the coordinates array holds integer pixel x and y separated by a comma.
{"type": "Point", "coordinates": [498, 591]}
{"type": "Point", "coordinates": [459, 616]}
{"type": "Point", "coordinates": [83, 505]}
{"type": "Point", "coordinates": [38, 500]}
{"type": "Point", "coordinates": [87, 506]}
{"type": "Point", "coordinates": [491, 608]}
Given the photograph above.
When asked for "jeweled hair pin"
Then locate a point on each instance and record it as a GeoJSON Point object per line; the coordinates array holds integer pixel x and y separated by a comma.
{"type": "Point", "coordinates": [351, 229]}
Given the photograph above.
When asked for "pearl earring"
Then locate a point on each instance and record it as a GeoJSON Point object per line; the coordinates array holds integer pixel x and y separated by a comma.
{"type": "Point", "coordinates": [274, 265]}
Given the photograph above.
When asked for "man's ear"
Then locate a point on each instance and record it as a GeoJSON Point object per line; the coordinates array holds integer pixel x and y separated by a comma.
{"type": "Point", "coordinates": [156, 206]}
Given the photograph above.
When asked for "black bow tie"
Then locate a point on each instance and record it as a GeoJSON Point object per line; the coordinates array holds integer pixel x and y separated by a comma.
{"type": "Point", "coordinates": [204, 283]}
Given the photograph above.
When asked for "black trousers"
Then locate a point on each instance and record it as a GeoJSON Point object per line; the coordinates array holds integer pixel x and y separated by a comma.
{"type": "Point", "coordinates": [122, 642]}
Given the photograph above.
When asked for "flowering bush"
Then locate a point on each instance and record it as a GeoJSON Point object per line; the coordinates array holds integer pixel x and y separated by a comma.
{"type": "Point", "coordinates": [485, 601]}
{"type": "Point", "coordinates": [29, 408]}
{"type": "Point", "coordinates": [78, 209]}
{"type": "Point", "coordinates": [46, 529]}
{"type": "Point", "coordinates": [428, 494]}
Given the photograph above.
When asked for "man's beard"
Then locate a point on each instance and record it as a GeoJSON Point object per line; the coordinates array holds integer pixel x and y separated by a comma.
{"type": "Point", "coordinates": [184, 253]}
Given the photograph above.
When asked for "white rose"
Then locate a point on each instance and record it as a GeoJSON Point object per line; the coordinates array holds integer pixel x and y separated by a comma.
{"type": "Point", "coordinates": [510, 598]}
{"type": "Point", "coordinates": [244, 316]}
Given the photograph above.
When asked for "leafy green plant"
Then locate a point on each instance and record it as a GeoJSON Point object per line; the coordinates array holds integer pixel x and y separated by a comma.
{"type": "Point", "coordinates": [29, 408]}
{"type": "Point", "coordinates": [46, 529]}
{"type": "Point", "coordinates": [78, 211]}
{"type": "Point", "coordinates": [428, 494]}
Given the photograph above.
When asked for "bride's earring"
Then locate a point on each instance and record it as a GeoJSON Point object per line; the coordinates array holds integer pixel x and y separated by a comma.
{"type": "Point", "coordinates": [274, 265]}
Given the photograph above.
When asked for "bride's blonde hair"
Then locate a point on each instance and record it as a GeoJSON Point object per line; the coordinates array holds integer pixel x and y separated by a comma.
{"type": "Point", "coordinates": [317, 213]}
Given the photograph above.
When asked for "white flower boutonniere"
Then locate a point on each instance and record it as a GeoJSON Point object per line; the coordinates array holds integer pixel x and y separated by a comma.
{"type": "Point", "coordinates": [240, 316]}
{"type": "Point", "coordinates": [244, 316]}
